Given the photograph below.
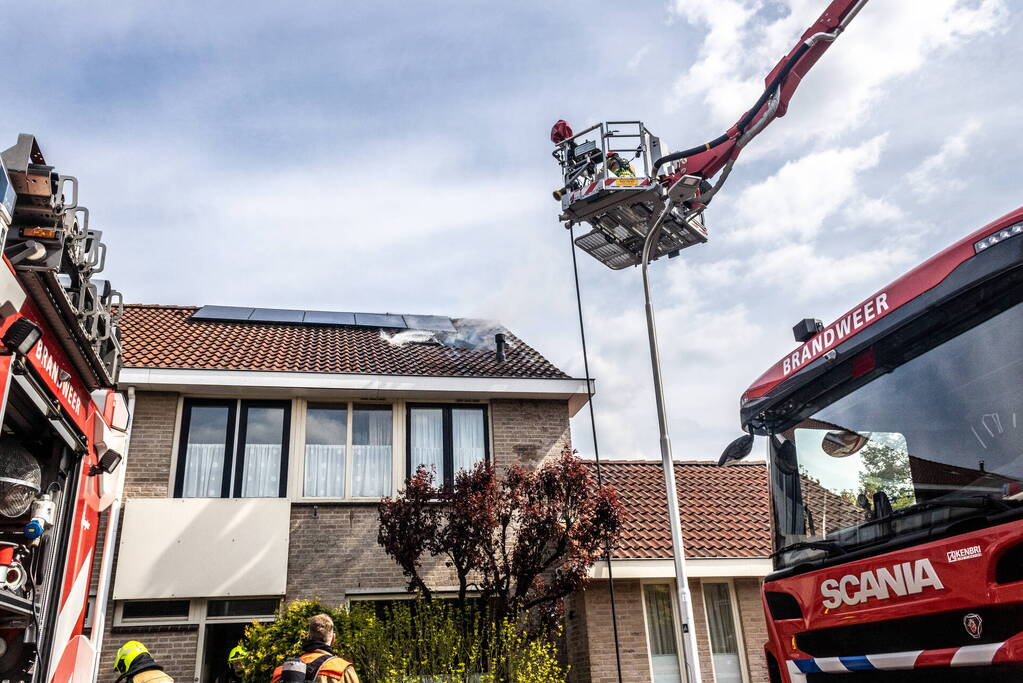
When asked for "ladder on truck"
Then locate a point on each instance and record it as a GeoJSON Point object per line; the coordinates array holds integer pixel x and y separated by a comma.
{"type": "Point", "coordinates": [58, 256]}
{"type": "Point", "coordinates": [64, 426]}
{"type": "Point", "coordinates": [620, 207]}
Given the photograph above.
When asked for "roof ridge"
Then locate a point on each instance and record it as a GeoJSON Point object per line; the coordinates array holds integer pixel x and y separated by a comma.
{"type": "Point", "coordinates": [170, 306]}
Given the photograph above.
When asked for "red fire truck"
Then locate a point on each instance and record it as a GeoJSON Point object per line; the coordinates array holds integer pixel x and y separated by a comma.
{"type": "Point", "coordinates": [64, 429]}
{"type": "Point", "coordinates": [896, 477]}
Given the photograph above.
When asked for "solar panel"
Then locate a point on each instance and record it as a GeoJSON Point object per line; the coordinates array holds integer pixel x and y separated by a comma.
{"type": "Point", "coordinates": [276, 315]}
{"type": "Point", "coordinates": [379, 320]}
{"type": "Point", "coordinates": [328, 318]}
{"type": "Point", "coordinates": [434, 323]}
{"type": "Point", "coordinates": [222, 313]}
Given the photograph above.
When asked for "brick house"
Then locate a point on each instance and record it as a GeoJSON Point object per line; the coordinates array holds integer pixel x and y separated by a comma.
{"type": "Point", "coordinates": [725, 521]}
{"type": "Point", "coordinates": [262, 441]}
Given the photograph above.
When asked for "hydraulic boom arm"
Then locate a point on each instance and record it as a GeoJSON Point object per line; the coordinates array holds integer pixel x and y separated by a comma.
{"type": "Point", "coordinates": [708, 159]}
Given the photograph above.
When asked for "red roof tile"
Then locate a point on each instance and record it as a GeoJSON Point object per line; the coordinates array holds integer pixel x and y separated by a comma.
{"type": "Point", "coordinates": [724, 510]}
{"type": "Point", "coordinates": [166, 337]}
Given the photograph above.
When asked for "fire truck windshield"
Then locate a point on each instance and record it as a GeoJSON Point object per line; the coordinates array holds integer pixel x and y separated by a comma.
{"type": "Point", "coordinates": [936, 440]}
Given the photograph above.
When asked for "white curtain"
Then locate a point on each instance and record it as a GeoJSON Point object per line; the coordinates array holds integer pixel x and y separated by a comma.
{"type": "Point", "coordinates": [660, 631]}
{"type": "Point", "coordinates": [204, 470]}
{"type": "Point", "coordinates": [324, 470]}
{"type": "Point", "coordinates": [427, 441]}
{"type": "Point", "coordinates": [467, 437]}
{"type": "Point", "coordinates": [724, 643]}
{"type": "Point", "coordinates": [262, 475]}
{"type": "Point", "coordinates": [371, 462]}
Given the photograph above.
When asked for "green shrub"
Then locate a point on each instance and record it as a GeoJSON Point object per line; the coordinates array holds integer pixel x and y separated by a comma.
{"type": "Point", "coordinates": [408, 642]}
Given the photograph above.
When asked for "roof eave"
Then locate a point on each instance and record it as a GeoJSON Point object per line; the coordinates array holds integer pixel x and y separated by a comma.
{"type": "Point", "coordinates": [696, 568]}
{"type": "Point", "coordinates": [317, 384]}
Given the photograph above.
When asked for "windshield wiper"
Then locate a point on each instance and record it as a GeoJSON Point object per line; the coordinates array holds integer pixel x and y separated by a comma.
{"type": "Point", "coordinates": [832, 548]}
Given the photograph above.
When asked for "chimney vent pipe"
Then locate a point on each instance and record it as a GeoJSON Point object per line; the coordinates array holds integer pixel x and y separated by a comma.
{"type": "Point", "coordinates": [500, 343]}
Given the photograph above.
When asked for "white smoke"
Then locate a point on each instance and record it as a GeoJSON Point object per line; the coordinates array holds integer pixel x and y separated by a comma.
{"type": "Point", "coordinates": [469, 334]}
{"type": "Point", "coordinates": [408, 337]}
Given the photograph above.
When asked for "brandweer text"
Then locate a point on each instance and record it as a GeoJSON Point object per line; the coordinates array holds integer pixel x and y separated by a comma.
{"type": "Point", "coordinates": [838, 331]}
{"type": "Point", "coordinates": [49, 365]}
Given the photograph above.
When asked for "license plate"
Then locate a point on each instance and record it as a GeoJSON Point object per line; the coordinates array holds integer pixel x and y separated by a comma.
{"type": "Point", "coordinates": [627, 182]}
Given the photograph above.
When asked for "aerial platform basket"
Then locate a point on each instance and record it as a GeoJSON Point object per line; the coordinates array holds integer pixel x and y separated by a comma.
{"type": "Point", "coordinates": [619, 204]}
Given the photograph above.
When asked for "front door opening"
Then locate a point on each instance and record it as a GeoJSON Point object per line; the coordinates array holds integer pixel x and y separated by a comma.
{"type": "Point", "coordinates": [219, 639]}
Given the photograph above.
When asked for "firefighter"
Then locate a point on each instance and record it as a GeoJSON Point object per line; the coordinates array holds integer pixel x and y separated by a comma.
{"type": "Point", "coordinates": [619, 166]}
{"type": "Point", "coordinates": [136, 665]}
{"type": "Point", "coordinates": [322, 665]}
{"type": "Point", "coordinates": [232, 673]}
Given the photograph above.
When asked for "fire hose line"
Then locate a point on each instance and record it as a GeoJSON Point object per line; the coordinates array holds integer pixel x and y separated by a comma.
{"type": "Point", "coordinates": [596, 449]}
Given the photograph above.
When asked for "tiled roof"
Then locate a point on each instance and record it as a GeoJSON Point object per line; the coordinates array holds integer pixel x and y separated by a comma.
{"type": "Point", "coordinates": [166, 337]}
{"type": "Point", "coordinates": [724, 510]}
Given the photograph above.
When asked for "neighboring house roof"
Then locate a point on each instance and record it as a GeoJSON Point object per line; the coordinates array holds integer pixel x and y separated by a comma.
{"type": "Point", "coordinates": [167, 337]}
{"type": "Point", "coordinates": [724, 510]}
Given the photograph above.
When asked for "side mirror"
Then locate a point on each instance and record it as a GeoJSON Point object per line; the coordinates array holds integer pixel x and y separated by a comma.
{"type": "Point", "coordinates": [843, 443]}
{"type": "Point", "coordinates": [737, 450]}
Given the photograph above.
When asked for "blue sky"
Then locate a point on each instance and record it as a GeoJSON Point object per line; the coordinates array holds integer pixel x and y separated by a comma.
{"type": "Point", "coordinates": [395, 157]}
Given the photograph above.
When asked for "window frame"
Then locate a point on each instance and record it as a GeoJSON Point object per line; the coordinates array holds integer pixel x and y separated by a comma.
{"type": "Point", "coordinates": [238, 466]}
{"type": "Point", "coordinates": [350, 406]}
{"type": "Point", "coordinates": [350, 461]}
{"type": "Point", "coordinates": [229, 446]}
{"type": "Point", "coordinates": [231, 482]}
{"type": "Point", "coordinates": [303, 442]}
{"type": "Point", "coordinates": [197, 617]}
{"type": "Point", "coordinates": [676, 623]}
{"type": "Point", "coordinates": [446, 421]}
{"type": "Point", "coordinates": [740, 640]}
{"type": "Point", "coordinates": [121, 620]}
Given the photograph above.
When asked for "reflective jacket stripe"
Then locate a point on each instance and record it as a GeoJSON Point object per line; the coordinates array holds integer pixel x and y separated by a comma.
{"type": "Point", "coordinates": [334, 667]}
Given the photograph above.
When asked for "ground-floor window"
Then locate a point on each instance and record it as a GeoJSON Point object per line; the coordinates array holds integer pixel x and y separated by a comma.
{"type": "Point", "coordinates": [661, 636]}
{"type": "Point", "coordinates": [725, 636]}
{"type": "Point", "coordinates": [221, 623]}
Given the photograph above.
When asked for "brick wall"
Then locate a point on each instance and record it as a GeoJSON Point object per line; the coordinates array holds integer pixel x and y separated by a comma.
{"type": "Point", "coordinates": [528, 431]}
{"type": "Point", "coordinates": [754, 627]}
{"type": "Point", "coordinates": [599, 656]}
{"type": "Point", "coordinates": [702, 635]}
{"type": "Point", "coordinates": [575, 642]}
{"type": "Point", "coordinates": [333, 548]}
{"type": "Point", "coordinates": [152, 439]}
{"type": "Point", "coordinates": [589, 638]}
{"type": "Point", "coordinates": [173, 648]}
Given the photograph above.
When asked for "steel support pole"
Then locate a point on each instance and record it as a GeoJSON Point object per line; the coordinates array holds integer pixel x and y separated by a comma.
{"type": "Point", "coordinates": [685, 605]}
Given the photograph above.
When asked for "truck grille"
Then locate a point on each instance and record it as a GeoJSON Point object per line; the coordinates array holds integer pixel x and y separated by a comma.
{"type": "Point", "coordinates": [928, 632]}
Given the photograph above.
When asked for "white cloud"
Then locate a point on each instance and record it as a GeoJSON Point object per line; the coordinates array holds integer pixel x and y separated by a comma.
{"type": "Point", "coordinates": [723, 61]}
{"type": "Point", "coordinates": [817, 271]}
{"type": "Point", "coordinates": [929, 178]}
{"type": "Point", "coordinates": [867, 211]}
{"type": "Point", "coordinates": [704, 353]}
{"type": "Point", "coordinates": [793, 203]}
{"type": "Point", "coordinates": [886, 41]}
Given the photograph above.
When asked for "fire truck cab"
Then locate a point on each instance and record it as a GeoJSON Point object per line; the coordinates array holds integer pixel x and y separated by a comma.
{"type": "Point", "coordinates": [63, 430]}
{"type": "Point", "coordinates": [895, 449]}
